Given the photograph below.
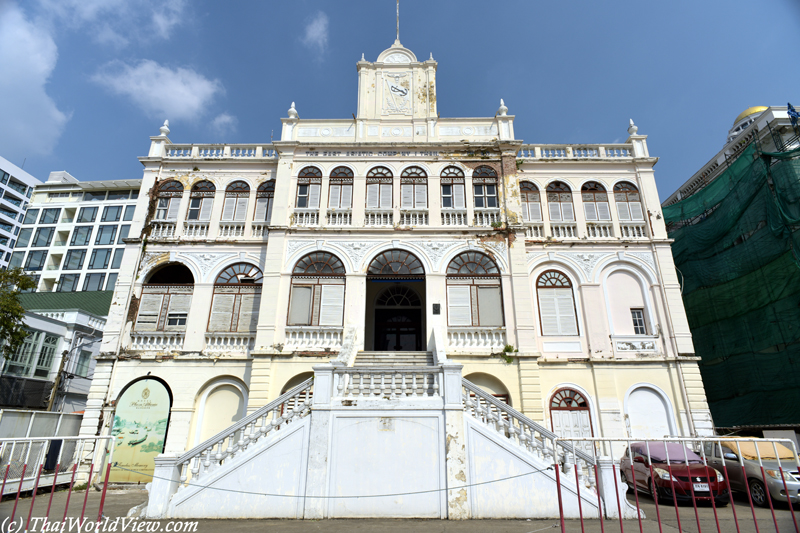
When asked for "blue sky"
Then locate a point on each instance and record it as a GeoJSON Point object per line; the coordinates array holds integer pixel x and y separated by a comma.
{"type": "Point", "coordinates": [84, 83]}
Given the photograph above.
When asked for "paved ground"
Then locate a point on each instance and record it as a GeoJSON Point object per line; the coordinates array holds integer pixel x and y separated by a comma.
{"type": "Point", "coordinates": [118, 502]}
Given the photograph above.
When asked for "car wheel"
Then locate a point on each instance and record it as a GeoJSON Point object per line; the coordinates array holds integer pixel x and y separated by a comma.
{"type": "Point", "coordinates": [758, 493]}
{"type": "Point", "coordinates": [653, 490]}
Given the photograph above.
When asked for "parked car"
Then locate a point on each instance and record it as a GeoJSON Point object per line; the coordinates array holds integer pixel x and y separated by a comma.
{"type": "Point", "coordinates": [704, 481]}
{"type": "Point", "coordinates": [746, 454]}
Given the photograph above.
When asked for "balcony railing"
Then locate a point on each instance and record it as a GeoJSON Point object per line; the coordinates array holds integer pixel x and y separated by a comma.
{"type": "Point", "coordinates": [227, 229]}
{"type": "Point", "coordinates": [259, 229]}
{"type": "Point", "coordinates": [630, 345]}
{"type": "Point", "coordinates": [635, 230]}
{"type": "Point", "coordinates": [157, 341]}
{"type": "Point", "coordinates": [163, 230]}
{"type": "Point", "coordinates": [534, 230]}
{"type": "Point", "coordinates": [599, 230]}
{"type": "Point", "coordinates": [195, 230]}
{"type": "Point", "coordinates": [379, 217]}
{"type": "Point", "coordinates": [299, 338]}
{"type": "Point", "coordinates": [306, 217]}
{"type": "Point", "coordinates": [217, 151]}
{"type": "Point", "coordinates": [487, 217]}
{"type": "Point", "coordinates": [416, 217]}
{"type": "Point", "coordinates": [225, 343]}
{"type": "Point", "coordinates": [563, 151]}
{"type": "Point", "coordinates": [564, 230]}
{"type": "Point", "coordinates": [340, 217]}
{"type": "Point", "coordinates": [454, 217]}
{"type": "Point", "coordinates": [472, 338]}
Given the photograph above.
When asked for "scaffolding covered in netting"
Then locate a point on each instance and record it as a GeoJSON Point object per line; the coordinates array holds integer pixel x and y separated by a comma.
{"type": "Point", "coordinates": [737, 250]}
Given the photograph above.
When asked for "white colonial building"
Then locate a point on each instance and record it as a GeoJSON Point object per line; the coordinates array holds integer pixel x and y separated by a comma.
{"type": "Point", "coordinates": [401, 246]}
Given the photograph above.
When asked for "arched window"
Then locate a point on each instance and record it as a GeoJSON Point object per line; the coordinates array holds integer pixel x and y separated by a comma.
{"type": "Point", "coordinates": [169, 200]}
{"type": "Point", "coordinates": [397, 264]}
{"type": "Point", "coordinates": [473, 291]}
{"type": "Point", "coordinates": [452, 180]}
{"type": "Point", "coordinates": [166, 299]}
{"type": "Point", "coordinates": [236, 195]}
{"type": "Point", "coordinates": [237, 298]}
{"type": "Point", "coordinates": [484, 183]}
{"type": "Point", "coordinates": [309, 184]}
{"type": "Point", "coordinates": [629, 202]}
{"type": "Point", "coordinates": [317, 296]}
{"type": "Point", "coordinates": [556, 304]}
{"type": "Point", "coordinates": [531, 203]}
{"type": "Point", "coordinates": [398, 296]}
{"type": "Point", "coordinates": [379, 188]}
{"type": "Point", "coordinates": [264, 199]}
{"type": "Point", "coordinates": [559, 202]}
{"type": "Point", "coordinates": [413, 188]}
{"type": "Point", "coordinates": [202, 199]}
{"type": "Point", "coordinates": [340, 195]}
{"type": "Point", "coordinates": [570, 415]}
{"type": "Point", "coordinates": [595, 202]}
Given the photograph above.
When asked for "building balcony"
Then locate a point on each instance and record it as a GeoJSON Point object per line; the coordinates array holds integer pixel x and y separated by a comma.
{"type": "Point", "coordinates": [306, 217]}
{"type": "Point", "coordinates": [454, 217]}
{"type": "Point", "coordinates": [414, 217]}
{"type": "Point", "coordinates": [216, 151]}
{"type": "Point", "coordinates": [313, 338]}
{"type": "Point", "coordinates": [231, 229]}
{"type": "Point", "coordinates": [395, 383]}
{"type": "Point", "coordinates": [627, 346]}
{"type": "Point", "coordinates": [487, 217]}
{"type": "Point", "coordinates": [259, 230]}
{"type": "Point", "coordinates": [599, 230]}
{"type": "Point", "coordinates": [340, 217]}
{"type": "Point", "coordinates": [633, 230]}
{"type": "Point", "coordinates": [160, 341]}
{"type": "Point", "coordinates": [465, 339]}
{"type": "Point", "coordinates": [564, 230]}
{"type": "Point", "coordinates": [534, 230]}
{"type": "Point", "coordinates": [163, 229]}
{"type": "Point", "coordinates": [195, 230]}
{"type": "Point", "coordinates": [230, 343]}
{"type": "Point", "coordinates": [379, 217]}
{"type": "Point", "coordinates": [563, 151]}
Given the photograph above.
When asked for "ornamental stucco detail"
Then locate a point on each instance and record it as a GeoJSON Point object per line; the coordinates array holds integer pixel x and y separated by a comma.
{"type": "Point", "coordinates": [636, 346]}
{"type": "Point", "coordinates": [436, 250]}
{"type": "Point", "coordinates": [645, 257]}
{"type": "Point", "coordinates": [587, 261]}
{"type": "Point", "coordinates": [532, 257]}
{"type": "Point", "coordinates": [206, 261]}
{"type": "Point", "coordinates": [498, 247]}
{"type": "Point", "coordinates": [293, 246]}
{"type": "Point", "coordinates": [355, 250]}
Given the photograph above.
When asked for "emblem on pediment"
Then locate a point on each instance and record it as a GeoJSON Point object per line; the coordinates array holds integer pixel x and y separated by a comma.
{"type": "Point", "coordinates": [293, 246]}
{"type": "Point", "coordinates": [645, 257]}
{"type": "Point", "coordinates": [397, 94]}
{"type": "Point", "coordinates": [436, 250]}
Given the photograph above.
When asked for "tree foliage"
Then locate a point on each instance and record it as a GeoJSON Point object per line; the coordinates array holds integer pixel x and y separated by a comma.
{"type": "Point", "coordinates": [12, 327]}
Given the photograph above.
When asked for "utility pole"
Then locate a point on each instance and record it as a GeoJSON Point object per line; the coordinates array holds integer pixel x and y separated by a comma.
{"type": "Point", "coordinates": [57, 383]}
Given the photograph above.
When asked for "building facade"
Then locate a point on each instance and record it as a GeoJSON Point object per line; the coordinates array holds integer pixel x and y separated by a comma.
{"type": "Point", "coordinates": [16, 188]}
{"type": "Point", "coordinates": [72, 233]}
{"type": "Point", "coordinates": [545, 270]}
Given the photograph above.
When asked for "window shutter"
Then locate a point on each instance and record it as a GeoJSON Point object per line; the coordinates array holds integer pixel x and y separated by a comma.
{"type": "Point", "coordinates": [372, 196]}
{"type": "Point", "coordinates": [336, 193]}
{"type": "Point", "coordinates": [313, 195]}
{"type": "Point", "coordinates": [603, 212]}
{"type": "Point", "coordinates": [347, 197]}
{"type": "Point", "coordinates": [241, 209]}
{"type": "Point", "coordinates": [261, 210]}
{"type": "Point", "coordinates": [458, 196]}
{"type": "Point", "coordinates": [205, 208]}
{"type": "Point", "coordinates": [386, 196]}
{"type": "Point", "coordinates": [566, 210]}
{"type": "Point", "coordinates": [270, 201]}
{"type": "Point", "coordinates": [567, 321]}
{"type": "Point", "coordinates": [228, 209]}
{"type": "Point", "coordinates": [407, 195]}
{"type": "Point", "coordinates": [221, 312]}
{"type": "Point", "coordinates": [248, 312]}
{"type": "Point", "coordinates": [525, 216]}
{"type": "Point", "coordinates": [535, 211]}
{"type": "Point", "coordinates": [548, 312]}
{"type": "Point", "coordinates": [590, 211]}
{"type": "Point", "coordinates": [300, 306]}
{"type": "Point", "coordinates": [555, 211]}
{"type": "Point", "coordinates": [149, 310]}
{"type": "Point", "coordinates": [332, 306]}
{"type": "Point", "coordinates": [458, 306]}
{"type": "Point", "coordinates": [180, 303]}
{"type": "Point", "coordinates": [421, 196]}
{"type": "Point", "coordinates": [174, 206]}
{"type": "Point", "coordinates": [623, 211]}
{"type": "Point", "coordinates": [490, 308]}
{"type": "Point", "coordinates": [636, 211]}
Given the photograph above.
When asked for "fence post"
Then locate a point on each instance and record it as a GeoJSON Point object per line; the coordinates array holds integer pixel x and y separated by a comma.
{"type": "Point", "coordinates": [166, 477]}
{"type": "Point", "coordinates": [606, 488]}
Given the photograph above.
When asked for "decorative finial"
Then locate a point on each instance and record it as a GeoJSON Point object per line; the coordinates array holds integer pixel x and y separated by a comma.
{"type": "Point", "coordinates": [633, 128]}
{"type": "Point", "coordinates": [292, 111]}
{"type": "Point", "coordinates": [362, 56]}
{"type": "Point", "coordinates": [398, 21]}
{"type": "Point", "coordinates": [164, 129]}
{"type": "Point", "coordinates": [503, 111]}
{"type": "Point", "coordinates": [431, 58]}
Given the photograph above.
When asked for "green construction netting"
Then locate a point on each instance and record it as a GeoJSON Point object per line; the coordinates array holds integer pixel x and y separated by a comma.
{"type": "Point", "coordinates": [737, 250]}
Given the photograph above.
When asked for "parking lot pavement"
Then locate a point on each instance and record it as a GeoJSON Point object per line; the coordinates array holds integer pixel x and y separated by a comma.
{"type": "Point", "coordinates": [118, 502]}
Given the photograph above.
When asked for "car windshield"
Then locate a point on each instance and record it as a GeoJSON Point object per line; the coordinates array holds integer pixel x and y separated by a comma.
{"type": "Point", "coordinates": [765, 449]}
{"type": "Point", "coordinates": [660, 452]}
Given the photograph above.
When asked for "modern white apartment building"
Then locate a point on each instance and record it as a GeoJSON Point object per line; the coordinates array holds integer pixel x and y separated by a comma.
{"type": "Point", "coordinates": [72, 233]}
{"type": "Point", "coordinates": [16, 187]}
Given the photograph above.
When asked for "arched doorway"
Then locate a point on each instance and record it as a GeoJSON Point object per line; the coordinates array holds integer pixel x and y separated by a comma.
{"type": "Point", "coordinates": [395, 302]}
{"type": "Point", "coordinates": [570, 415]}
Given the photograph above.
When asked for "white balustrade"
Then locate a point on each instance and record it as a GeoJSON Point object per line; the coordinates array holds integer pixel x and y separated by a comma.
{"type": "Point", "coordinates": [227, 229]}
{"type": "Point", "coordinates": [163, 230]}
{"type": "Point", "coordinates": [195, 230]}
{"type": "Point", "coordinates": [378, 217]}
{"type": "Point", "coordinates": [219, 151]}
{"type": "Point", "coordinates": [227, 343]}
{"type": "Point", "coordinates": [340, 217]}
{"type": "Point", "coordinates": [561, 230]}
{"type": "Point", "coordinates": [619, 152]}
{"type": "Point", "coordinates": [454, 217]}
{"type": "Point", "coordinates": [599, 230]}
{"type": "Point", "coordinates": [157, 341]}
{"type": "Point", "coordinates": [259, 229]}
{"type": "Point", "coordinates": [473, 338]}
{"type": "Point", "coordinates": [394, 383]}
{"type": "Point", "coordinates": [550, 153]}
{"type": "Point", "coordinates": [534, 231]}
{"type": "Point", "coordinates": [487, 217]}
{"type": "Point", "coordinates": [306, 217]}
{"type": "Point", "coordinates": [635, 230]}
{"type": "Point", "coordinates": [417, 217]}
{"type": "Point", "coordinates": [299, 338]}
{"type": "Point", "coordinates": [563, 151]}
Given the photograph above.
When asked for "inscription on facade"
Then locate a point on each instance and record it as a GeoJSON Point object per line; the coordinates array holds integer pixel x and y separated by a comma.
{"type": "Point", "coordinates": [392, 153]}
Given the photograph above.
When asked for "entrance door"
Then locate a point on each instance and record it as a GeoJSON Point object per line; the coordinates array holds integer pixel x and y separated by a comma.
{"type": "Point", "coordinates": [398, 330]}
{"type": "Point", "coordinates": [570, 416]}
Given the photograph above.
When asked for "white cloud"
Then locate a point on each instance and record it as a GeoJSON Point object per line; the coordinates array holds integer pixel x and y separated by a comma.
{"type": "Point", "coordinates": [316, 32]}
{"type": "Point", "coordinates": [161, 92]}
{"type": "Point", "coordinates": [32, 123]}
{"type": "Point", "coordinates": [224, 124]}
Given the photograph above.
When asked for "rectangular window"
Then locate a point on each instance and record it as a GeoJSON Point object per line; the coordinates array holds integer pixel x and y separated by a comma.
{"type": "Point", "coordinates": [176, 319]}
{"type": "Point", "coordinates": [413, 195]}
{"type": "Point", "coordinates": [235, 310]}
{"type": "Point", "coordinates": [156, 310]}
{"type": "Point", "coordinates": [117, 262]}
{"type": "Point", "coordinates": [128, 216]}
{"type": "Point", "coordinates": [118, 195]}
{"type": "Point", "coordinates": [24, 237]}
{"type": "Point", "coordinates": [639, 327]}
{"type": "Point", "coordinates": [81, 236]}
{"type": "Point", "coordinates": [30, 216]}
{"type": "Point", "coordinates": [74, 260]}
{"type": "Point", "coordinates": [379, 196]}
{"type": "Point", "coordinates": [307, 196]}
{"type": "Point", "coordinates": [558, 312]}
{"type": "Point", "coordinates": [340, 195]}
{"type": "Point", "coordinates": [93, 282]}
{"type": "Point", "coordinates": [36, 260]}
{"type": "Point", "coordinates": [87, 214]}
{"type": "Point", "coordinates": [9, 228]}
{"type": "Point", "coordinates": [4, 176]}
{"type": "Point", "coordinates": [46, 356]}
{"type": "Point", "coordinates": [94, 196]}
{"type": "Point", "coordinates": [476, 305]}
{"type": "Point", "coordinates": [68, 283]}
{"type": "Point", "coordinates": [82, 366]}
{"type": "Point", "coordinates": [100, 258]}
{"type": "Point", "coordinates": [300, 305]}
{"type": "Point", "coordinates": [16, 260]}
{"type": "Point", "coordinates": [42, 237]}
{"type": "Point", "coordinates": [35, 279]}
{"type": "Point", "coordinates": [200, 208]}
{"type": "Point", "coordinates": [13, 201]}
{"type": "Point", "coordinates": [9, 213]}
{"type": "Point", "coordinates": [167, 208]}
{"type": "Point", "coordinates": [123, 232]}
{"type": "Point", "coordinates": [105, 235]}
{"type": "Point", "coordinates": [112, 281]}
{"type": "Point", "coordinates": [49, 216]}
{"type": "Point", "coordinates": [111, 213]}
{"type": "Point", "coordinates": [453, 196]}
{"type": "Point", "coordinates": [560, 210]}
{"type": "Point", "coordinates": [485, 196]}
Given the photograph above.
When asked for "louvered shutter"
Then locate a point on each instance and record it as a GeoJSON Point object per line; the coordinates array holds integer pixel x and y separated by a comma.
{"type": "Point", "coordinates": [603, 211]}
{"type": "Point", "coordinates": [332, 305]}
{"type": "Point", "coordinates": [174, 207]}
{"type": "Point", "coordinates": [636, 211]}
{"type": "Point", "coordinates": [386, 196]}
{"type": "Point", "coordinates": [525, 215]}
{"type": "Point", "coordinates": [241, 209]}
{"type": "Point", "coordinates": [178, 303]}
{"type": "Point", "coordinates": [490, 308]}
{"type": "Point", "coordinates": [555, 211]}
{"type": "Point", "coordinates": [347, 197]}
{"type": "Point", "coordinates": [205, 208]}
{"type": "Point", "coordinates": [407, 196]}
{"type": "Point", "coordinates": [300, 307]}
{"type": "Point", "coordinates": [535, 211]}
{"type": "Point", "coordinates": [270, 202]}
{"type": "Point", "coordinates": [548, 311]}
{"type": "Point", "coordinates": [421, 196]}
{"type": "Point", "coordinates": [261, 210]}
{"type": "Point", "coordinates": [623, 211]}
{"type": "Point", "coordinates": [568, 324]}
{"type": "Point", "coordinates": [336, 193]}
{"type": "Point", "coordinates": [228, 209]}
{"type": "Point", "coordinates": [149, 310]}
{"type": "Point", "coordinates": [590, 211]}
{"type": "Point", "coordinates": [372, 196]}
{"type": "Point", "coordinates": [458, 196]}
{"type": "Point", "coordinates": [567, 213]}
{"type": "Point", "coordinates": [313, 195]}
{"type": "Point", "coordinates": [221, 312]}
{"type": "Point", "coordinates": [248, 312]}
{"type": "Point", "coordinates": [459, 311]}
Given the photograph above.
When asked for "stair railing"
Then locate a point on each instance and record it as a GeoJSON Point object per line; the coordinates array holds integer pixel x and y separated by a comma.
{"type": "Point", "coordinates": [439, 353]}
{"type": "Point", "coordinates": [524, 432]}
{"type": "Point", "coordinates": [348, 352]}
{"type": "Point", "coordinates": [227, 444]}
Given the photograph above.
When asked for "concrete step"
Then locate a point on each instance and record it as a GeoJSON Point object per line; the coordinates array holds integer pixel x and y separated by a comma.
{"type": "Point", "coordinates": [392, 359]}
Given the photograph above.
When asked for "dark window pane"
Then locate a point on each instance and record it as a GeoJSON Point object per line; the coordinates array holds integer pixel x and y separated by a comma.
{"type": "Point", "coordinates": [93, 282]}
{"type": "Point", "coordinates": [123, 232]}
{"type": "Point", "coordinates": [16, 259]}
{"type": "Point", "coordinates": [43, 237]}
{"type": "Point", "coordinates": [68, 283]}
{"type": "Point", "coordinates": [117, 262]}
{"type": "Point", "coordinates": [112, 281]}
{"type": "Point", "coordinates": [30, 216]}
{"type": "Point", "coordinates": [49, 216]}
{"type": "Point", "coordinates": [24, 237]}
{"type": "Point", "coordinates": [87, 214]}
{"type": "Point", "coordinates": [106, 235]}
{"type": "Point", "coordinates": [129, 212]}
{"type": "Point", "coordinates": [111, 213]}
{"type": "Point", "coordinates": [118, 195]}
{"type": "Point", "coordinates": [81, 236]}
{"type": "Point", "coordinates": [94, 196]}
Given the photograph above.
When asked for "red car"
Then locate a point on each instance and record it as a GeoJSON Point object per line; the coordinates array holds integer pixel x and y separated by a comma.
{"type": "Point", "coordinates": [659, 479]}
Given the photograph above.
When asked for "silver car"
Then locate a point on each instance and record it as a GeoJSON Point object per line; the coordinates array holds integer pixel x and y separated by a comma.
{"type": "Point", "coordinates": [744, 454]}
